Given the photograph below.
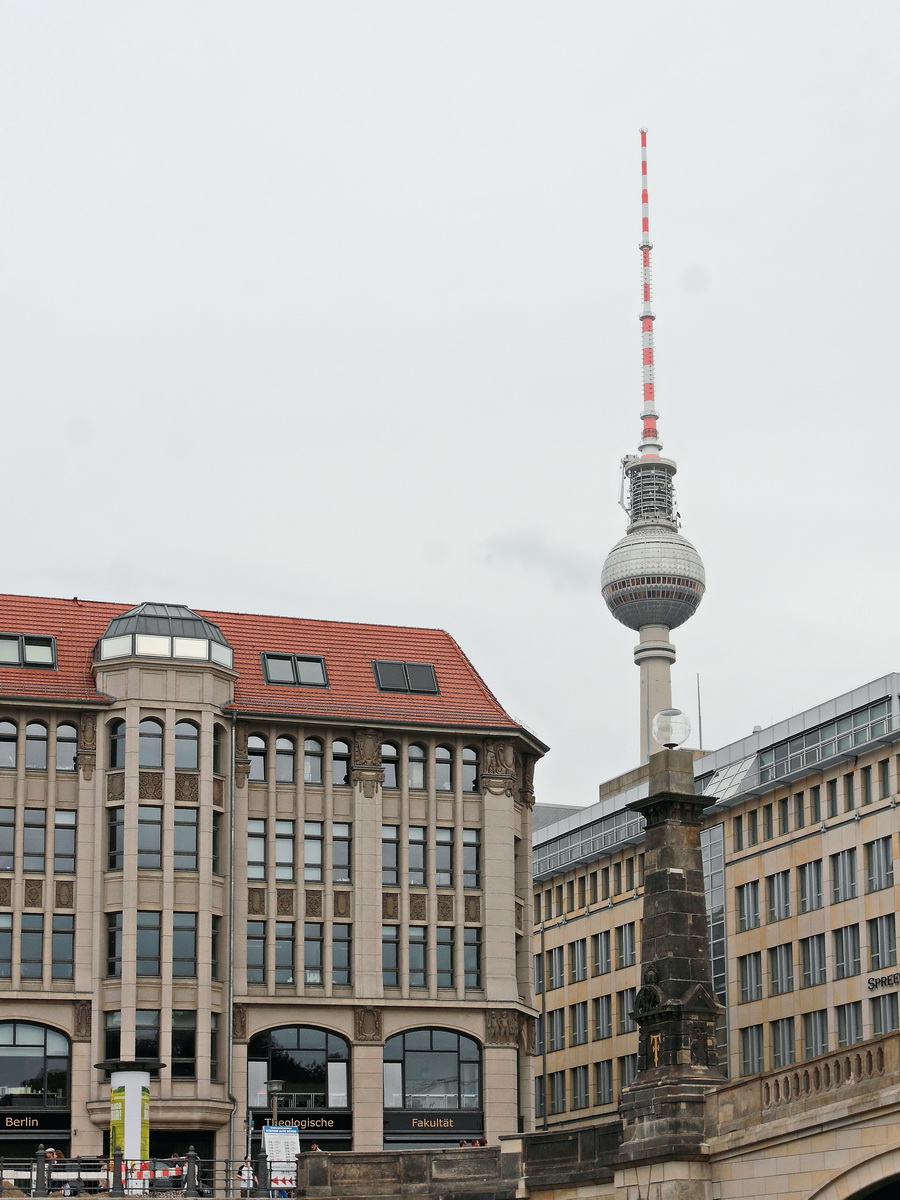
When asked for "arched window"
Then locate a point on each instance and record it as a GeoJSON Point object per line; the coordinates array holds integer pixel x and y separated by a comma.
{"type": "Point", "coordinates": [312, 760]}
{"type": "Point", "coordinates": [469, 769]}
{"type": "Point", "coordinates": [340, 763]}
{"type": "Point", "coordinates": [66, 745]}
{"type": "Point", "coordinates": [314, 1067]}
{"type": "Point", "coordinates": [187, 746]}
{"type": "Point", "coordinates": [7, 744]}
{"type": "Point", "coordinates": [443, 769]}
{"type": "Point", "coordinates": [284, 759]}
{"type": "Point", "coordinates": [416, 764]}
{"type": "Point", "coordinates": [36, 746]}
{"type": "Point", "coordinates": [116, 730]}
{"type": "Point", "coordinates": [390, 757]}
{"type": "Point", "coordinates": [150, 743]}
{"type": "Point", "coordinates": [218, 751]}
{"type": "Point", "coordinates": [34, 1066]}
{"type": "Point", "coordinates": [432, 1069]}
{"type": "Point", "coordinates": [256, 748]}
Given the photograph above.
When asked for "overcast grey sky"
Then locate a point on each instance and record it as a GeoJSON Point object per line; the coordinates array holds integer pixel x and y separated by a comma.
{"type": "Point", "coordinates": [331, 310]}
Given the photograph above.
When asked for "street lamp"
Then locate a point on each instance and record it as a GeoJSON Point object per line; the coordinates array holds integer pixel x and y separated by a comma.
{"type": "Point", "coordinates": [274, 1087]}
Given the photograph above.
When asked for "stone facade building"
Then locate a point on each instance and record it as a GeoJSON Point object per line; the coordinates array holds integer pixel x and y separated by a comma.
{"type": "Point", "coordinates": [800, 841]}
{"type": "Point", "coordinates": [258, 848]}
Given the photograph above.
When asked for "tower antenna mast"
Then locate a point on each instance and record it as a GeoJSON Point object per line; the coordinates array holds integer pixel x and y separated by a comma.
{"type": "Point", "coordinates": [653, 578]}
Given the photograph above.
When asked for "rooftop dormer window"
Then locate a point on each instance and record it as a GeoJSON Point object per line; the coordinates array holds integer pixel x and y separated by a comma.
{"type": "Point", "coordinates": [405, 677]}
{"type": "Point", "coordinates": [165, 631]}
{"type": "Point", "coordinates": [26, 650]}
{"type": "Point", "coordinates": [296, 670]}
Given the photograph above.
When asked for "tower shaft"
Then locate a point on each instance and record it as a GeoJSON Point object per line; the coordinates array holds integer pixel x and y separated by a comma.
{"type": "Point", "coordinates": [654, 655]}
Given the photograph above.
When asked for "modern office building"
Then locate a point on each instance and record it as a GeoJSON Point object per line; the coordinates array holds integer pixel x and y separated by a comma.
{"type": "Point", "coordinates": [258, 848]}
{"type": "Point", "coordinates": [799, 840]}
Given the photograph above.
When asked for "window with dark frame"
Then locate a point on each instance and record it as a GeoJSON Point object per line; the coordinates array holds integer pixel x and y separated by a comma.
{"type": "Point", "coordinates": [341, 954]}
{"type": "Point", "coordinates": [472, 958]}
{"type": "Point", "coordinates": [6, 943]}
{"type": "Point", "coordinates": [62, 946]}
{"type": "Point", "coordinates": [66, 747]}
{"type": "Point", "coordinates": [149, 843]}
{"type": "Point", "coordinates": [31, 946]}
{"type": "Point", "coordinates": [445, 956]}
{"type": "Point", "coordinates": [36, 739]}
{"type": "Point", "coordinates": [390, 761]}
{"type": "Point", "coordinates": [150, 743]}
{"type": "Point", "coordinates": [256, 952]}
{"type": "Point", "coordinates": [147, 956]}
{"type": "Point", "coordinates": [113, 945]}
{"type": "Point", "coordinates": [313, 758]}
{"type": "Point", "coordinates": [390, 955]}
{"type": "Point", "coordinates": [418, 956]}
{"type": "Point", "coordinates": [341, 843]}
{"type": "Point", "coordinates": [390, 855]}
{"type": "Point", "coordinates": [116, 738]}
{"type": "Point", "coordinates": [27, 650]}
{"type": "Point", "coordinates": [391, 676]}
{"type": "Point", "coordinates": [185, 839]}
{"type": "Point", "coordinates": [256, 848]}
{"type": "Point", "coordinates": [312, 953]}
{"type": "Point", "coordinates": [415, 760]}
{"type": "Point", "coordinates": [256, 752]}
{"type": "Point", "coordinates": [35, 840]}
{"type": "Point", "coordinates": [8, 736]}
{"type": "Point", "coordinates": [340, 763]}
{"type": "Point", "coordinates": [184, 945]}
{"type": "Point", "coordinates": [187, 746]}
{"type": "Point", "coordinates": [284, 954]}
{"type": "Point", "coordinates": [7, 838]}
{"type": "Point", "coordinates": [284, 760]}
{"type": "Point", "coordinates": [64, 841]}
{"type": "Point", "coordinates": [184, 1044]}
{"type": "Point", "coordinates": [296, 670]}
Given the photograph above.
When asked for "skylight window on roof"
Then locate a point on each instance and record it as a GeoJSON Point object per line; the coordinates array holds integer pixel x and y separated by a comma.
{"type": "Point", "coordinates": [23, 650]}
{"type": "Point", "coordinates": [296, 670]}
{"type": "Point", "coordinates": [405, 677]}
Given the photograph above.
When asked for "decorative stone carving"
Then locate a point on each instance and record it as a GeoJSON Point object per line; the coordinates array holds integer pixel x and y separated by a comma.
{"type": "Point", "coordinates": [341, 904]}
{"type": "Point", "coordinates": [239, 1023]}
{"type": "Point", "coordinates": [367, 748]}
{"type": "Point", "coordinates": [526, 791]}
{"type": "Point", "coordinates": [219, 792]}
{"type": "Point", "coordinates": [528, 1031]}
{"type": "Point", "coordinates": [499, 775]}
{"type": "Point", "coordinates": [256, 901]}
{"type": "Point", "coordinates": [187, 787]}
{"type": "Point", "coordinates": [82, 1031]}
{"type": "Point", "coordinates": [502, 1027]}
{"type": "Point", "coordinates": [34, 893]}
{"type": "Point", "coordinates": [472, 908]}
{"type": "Point", "coordinates": [285, 906]}
{"type": "Point", "coordinates": [150, 785]}
{"type": "Point", "coordinates": [5, 893]}
{"type": "Point", "coordinates": [241, 758]}
{"type": "Point", "coordinates": [115, 787]}
{"type": "Point", "coordinates": [85, 761]}
{"type": "Point", "coordinates": [88, 731]}
{"type": "Point", "coordinates": [418, 906]}
{"type": "Point", "coordinates": [445, 908]}
{"type": "Point", "coordinates": [313, 904]}
{"type": "Point", "coordinates": [520, 916]}
{"type": "Point", "coordinates": [65, 893]}
{"type": "Point", "coordinates": [390, 906]}
{"type": "Point", "coordinates": [367, 1025]}
{"type": "Point", "coordinates": [369, 779]}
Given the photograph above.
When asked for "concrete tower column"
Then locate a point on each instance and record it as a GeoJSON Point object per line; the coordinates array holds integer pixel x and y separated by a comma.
{"type": "Point", "coordinates": [654, 655]}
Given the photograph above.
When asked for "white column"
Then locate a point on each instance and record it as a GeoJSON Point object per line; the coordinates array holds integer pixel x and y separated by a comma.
{"type": "Point", "coordinates": [654, 654]}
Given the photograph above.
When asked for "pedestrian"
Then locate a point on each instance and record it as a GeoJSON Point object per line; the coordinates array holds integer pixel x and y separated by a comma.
{"type": "Point", "coordinates": [247, 1177]}
{"type": "Point", "coordinates": [315, 1148]}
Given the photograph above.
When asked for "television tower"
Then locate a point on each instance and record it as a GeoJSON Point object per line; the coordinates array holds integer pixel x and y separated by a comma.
{"type": "Point", "coordinates": [653, 578]}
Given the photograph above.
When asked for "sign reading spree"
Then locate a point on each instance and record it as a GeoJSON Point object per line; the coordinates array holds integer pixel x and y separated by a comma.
{"type": "Point", "coordinates": [880, 981]}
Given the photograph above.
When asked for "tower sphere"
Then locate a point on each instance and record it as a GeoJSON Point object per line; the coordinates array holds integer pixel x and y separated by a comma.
{"type": "Point", "coordinates": [653, 576]}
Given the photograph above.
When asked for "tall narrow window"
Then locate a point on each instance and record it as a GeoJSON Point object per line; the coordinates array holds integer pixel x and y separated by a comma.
{"type": "Point", "coordinates": [843, 876]}
{"type": "Point", "coordinates": [340, 851]}
{"type": "Point", "coordinates": [626, 951]}
{"type": "Point", "coordinates": [185, 839]}
{"type": "Point", "coordinates": [284, 953]}
{"type": "Point", "coordinates": [884, 1014]}
{"type": "Point", "coordinates": [417, 861]}
{"type": "Point", "coordinates": [799, 810]}
{"type": "Point", "coordinates": [418, 942]}
{"type": "Point", "coordinates": [882, 942]}
{"type": "Point", "coordinates": [113, 944]}
{"type": "Point", "coordinates": [443, 857]}
{"type": "Point", "coordinates": [472, 859]}
{"type": "Point", "coordinates": [472, 958]}
{"type": "Point", "coordinates": [866, 785]}
{"type": "Point", "coordinates": [778, 891]}
{"type": "Point", "coordinates": [218, 751]}
{"type": "Point", "coordinates": [750, 972]}
{"type": "Point", "coordinates": [783, 1053]}
{"type": "Point", "coordinates": [815, 804]}
{"type": "Point", "coordinates": [469, 769]}
{"type": "Point", "coordinates": [600, 953]}
{"type": "Point", "coordinates": [832, 797]}
{"type": "Point", "coordinates": [5, 945]}
{"type": "Point", "coordinates": [64, 842]}
{"type": "Point", "coordinates": [284, 850]}
{"type": "Point", "coordinates": [812, 959]}
{"type": "Point", "coordinates": [116, 744]}
{"type": "Point", "coordinates": [748, 905]}
{"type": "Point", "coordinates": [390, 757]}
{"type": "Point", "coordinates": [781, 969]}
{"type": "Point", "coordinates": [112, 1034]}
{"type": "Point", "coordinates": [33, 848]}
{"type": "Point", "coordinates": [31, 946]}
{"type": "Point", "coordinates": [187, 746]}
{"type": "Point", "coordinates": [312, 851]}
{"type": "Point", "coordinates": [884, 778]}
{"type": "Point", "coordinates": [578, 1030]}
{"type": "Point", "coordinates": [146, 1033]}
{"type": "Point", "coordinates": [256, 848]}
{"type": "Point", "coordinates": [147, 958]}
{"type": "Point", "coordinates": [312, 760]}
{"type": "Point", "coordinates": [312, 952]}
{"type": "Point", "coordinates": [7, 838]}
{"type": "Point", "coordinates": [184, 1044]}
{"type": "Point", "coordinates": [752, 1050]}
{"type": "Point", "coordinates": [626, 1007]}
{"type": "Point", "coordinates": [256, 952]}
{"type": "Point", "coordinates": [66, 746]}
{"type": "Point", "coordinates": [36, 746]}
{"type": "Point", "coordinates": [216, 844]}
{"type": "Point", "coordinates": [627, 1069]}
{"type": "Point", "coordinates": [556, 976]}
{"type": "Point", "coordinates": [811, 895]}
{"type": "Point", "coordinates": [214, 1046]}
{"type": "Point", "coordinates": [7, 744]}
{"type": "Point", "coordinates": [390, 855]}
{"type": "Point", "coordinates": [184, 945]}
{"type": "Point", "coordinates": [578, 960]}
{"type": "Point", "coordinates": [603, 1082]}
{"type": "Point", "coordinates": [341, 954]}
{"type": "Point", "coordinates": [149, 837]}
{"type": "Point", "coordinates": [284, 760]}
{"type": "Point", "coordinates": [256, 751]}
{"type": "Point", "coordinates": [63, 946]}
{"type": "Point", "coordinates": [390, 955]}
{"type": "Point", "coordinates": [214, 946]}
{"type": "Point", "coordinates": [846, 951]}
{"type": "Point", "coordinates": [340, 763]}
{"type": "Point", "coordinates": [849, 796]}
{"type": "Point", "coordinates": [849, 1023]}
{"type": "Point", "coordinates": [415, 756]}
{"type": "Point", "coordinates": [115, 838]}
{"type": "Point", "coordinates": [445, 956]}
{"type": "Point", "coordinates": [879, 864]}
{"type": "Point", "coordinates": [602, 1017]}
{"type": "Point", "coordinates": [443, 769]}
{"type": "Point", "coordinates": [150, 743]}
{"type": "Point", "coordinates": [580, 1097]}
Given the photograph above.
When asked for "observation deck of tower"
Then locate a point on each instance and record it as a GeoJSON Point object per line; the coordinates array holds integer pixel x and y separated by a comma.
{"type": "Point", "coordinates": [653, 578]}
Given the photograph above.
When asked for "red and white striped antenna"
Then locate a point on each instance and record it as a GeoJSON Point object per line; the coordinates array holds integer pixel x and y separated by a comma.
{"type": "Point", "coordinates": [650, 444]}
